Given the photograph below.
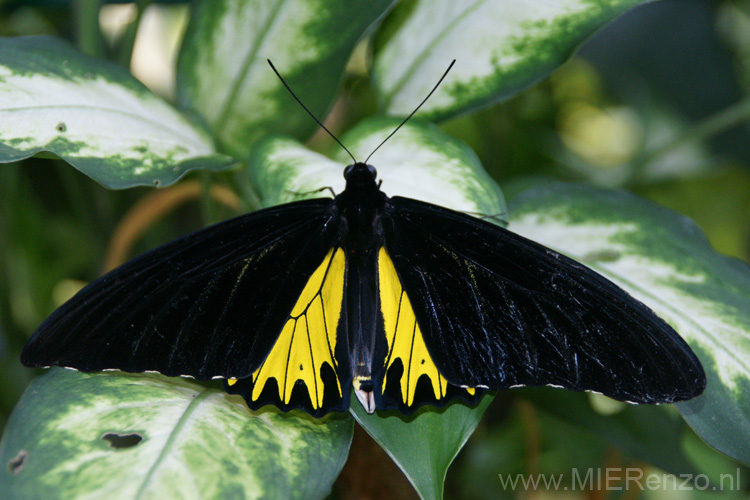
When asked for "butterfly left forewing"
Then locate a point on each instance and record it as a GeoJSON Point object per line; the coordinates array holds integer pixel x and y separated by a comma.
{"type": "Point", "coordinates": [213, 304]}
{"type": "Point", "coordinates": [497, 310]}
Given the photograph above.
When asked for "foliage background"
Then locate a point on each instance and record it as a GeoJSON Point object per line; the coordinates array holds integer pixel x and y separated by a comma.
{"type": "Point", "coordinates": [658, 72]}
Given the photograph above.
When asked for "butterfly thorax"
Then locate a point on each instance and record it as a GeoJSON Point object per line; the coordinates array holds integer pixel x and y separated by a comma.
{"type": "Point", "coordinates": [359, 206]}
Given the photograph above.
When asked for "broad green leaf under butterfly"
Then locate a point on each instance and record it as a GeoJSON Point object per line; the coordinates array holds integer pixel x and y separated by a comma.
{"type": "Point", "coordinates": [223, 74]}
{"type": "Point", "coordinates": [95, 116]}
{"type": "Point", "coordinates": [501, 47]}
{"type": "Point", "coordinates": [76, 435]}
{"type": "Point", "coordinates": [663, 260]}
{"type": "Point", "coordinates": [419, 162]}
{"type": "Point", "coordinates": [424, 444]}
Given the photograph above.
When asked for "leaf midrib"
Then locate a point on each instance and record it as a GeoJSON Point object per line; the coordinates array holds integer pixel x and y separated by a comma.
{"type": "Point", "coordinates": [82, 107]}
{"type": "Point", "coordinates": [223, 116]}
{"type": "Point", "coordinates": [171, 440]}
{"type": "Point", "coordinates": [423, 56]}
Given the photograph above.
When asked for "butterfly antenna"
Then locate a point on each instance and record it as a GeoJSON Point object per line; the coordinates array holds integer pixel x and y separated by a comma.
{"type": "Point", "coordinates": [415, 110]}
{"type": "Point", "coordinates": [309, 112]}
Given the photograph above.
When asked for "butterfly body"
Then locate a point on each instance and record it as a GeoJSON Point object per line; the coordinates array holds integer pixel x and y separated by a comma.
{"type": "Point", "coordinates": [405, 302]}
{"type": "Point", "coordinates": [360, 207]}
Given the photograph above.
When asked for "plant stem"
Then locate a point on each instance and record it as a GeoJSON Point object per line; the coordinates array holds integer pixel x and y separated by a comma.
{"type": "Point", "coordinates": [250, 199]}
{"type": "Point", "coordinates": [89, 38]}
{"type": "Point", "coordinates": [727, 118]}
{"type": "Point", "coordinates": [208, 211]}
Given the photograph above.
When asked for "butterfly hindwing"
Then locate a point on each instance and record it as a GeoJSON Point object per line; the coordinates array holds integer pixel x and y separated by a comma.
{"type": "Point", "coordinates": [497, 310]}
{"type": "Point", "coordinates": [409, 377]}
{"type": "Point", "coordinates": [212, 304]}
{"type": "Point", "coordinates": [302, 369]}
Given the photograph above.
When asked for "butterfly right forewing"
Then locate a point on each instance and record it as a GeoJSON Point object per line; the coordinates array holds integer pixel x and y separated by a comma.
{"type": "Point", "coordinates": [498, 310]}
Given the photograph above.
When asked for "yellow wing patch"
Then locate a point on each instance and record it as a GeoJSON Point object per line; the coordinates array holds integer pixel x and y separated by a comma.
{"type": "Point", "coordinates": [308, 338]}
{"type": "Point", "coordinates": [404, 338]}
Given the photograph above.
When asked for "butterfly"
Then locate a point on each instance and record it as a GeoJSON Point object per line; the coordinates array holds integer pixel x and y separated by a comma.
{"type": "Point", "coordinates": [402, 302]}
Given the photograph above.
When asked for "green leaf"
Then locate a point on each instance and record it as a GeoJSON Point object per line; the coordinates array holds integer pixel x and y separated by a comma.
{"type": "Point", "coordinates": [423, 445]}
{"type": "Point", "coordinates": [721, 470]}
{"type": "Point", "coordinates": [223, 74]}
{"type": "Point", "coordinates": [419, 162]}
{"type": "Point", "coordinates": [283, 170]}
{"type": "Point", "coordinates": [76, 435]}
{"type": "Point", "coordinates": [662, 259]}
{"type": "Point", "coordinates": [95, 116]}
{"type": "Point", "coordinates": [500, 48]}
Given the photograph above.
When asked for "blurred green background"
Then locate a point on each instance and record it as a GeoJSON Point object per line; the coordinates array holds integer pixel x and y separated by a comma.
{"type": "Point", "coordinates": [655, 103]}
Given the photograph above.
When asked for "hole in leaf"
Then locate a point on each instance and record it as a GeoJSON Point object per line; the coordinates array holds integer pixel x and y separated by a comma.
{"type": "Point", "coordinates": [16, 463]}
{"type": "Point", "coordinates": [122, 440]}
{"type": "Point", "coordinates": [61, 127]}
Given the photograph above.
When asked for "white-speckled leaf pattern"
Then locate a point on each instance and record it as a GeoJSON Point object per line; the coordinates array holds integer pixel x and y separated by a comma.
{"type": "Point", "coordinates": [195, 442]}
{"type": "Point", "coordinates": [95, 116]}
{"type": "Point", "coordinates": [665, 261]}
{"type": "Point", "coordinates": [501, 47]}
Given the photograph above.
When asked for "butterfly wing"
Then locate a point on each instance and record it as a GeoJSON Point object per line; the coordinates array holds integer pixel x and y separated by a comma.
{"type": "Point", "coordinates": [214, 304]}
{"type": "Point", "coordinates": [408, 377]}
{"type": "Point", "coordinates": [497, 310]}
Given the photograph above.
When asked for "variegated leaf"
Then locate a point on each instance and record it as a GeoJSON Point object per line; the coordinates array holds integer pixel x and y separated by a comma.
{"type": "Point", "coordinates": [76, 435]}
{"type": "Point", "coordinates": [664, 260]}
{"type": "Point", "coordinates": [223, 74]}
{"type": "Point", "coordinates": [501, 47]}
{"type": "Point", "coordinates": [95, 116]}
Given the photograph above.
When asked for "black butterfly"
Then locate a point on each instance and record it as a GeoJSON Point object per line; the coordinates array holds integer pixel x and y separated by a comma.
{"type": "Point", "coordinates": [407, 302]}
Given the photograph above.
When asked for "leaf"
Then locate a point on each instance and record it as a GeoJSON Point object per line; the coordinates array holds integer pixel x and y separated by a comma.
{"type": "Point", "coordinates": [223, 74]}
{"type": "Point", "coordinates": [423, 445]}
{"type": "Point", "coordinates": [95, 116]}
{"type": "Point", "coordinates": [419, 161]}
{"type": "Point", "coordinates": [76, 435]}
{"type": "Point", "coordinates": [662, 259]}
{"type": "Point", "coordinates": [721, 471]}
{"type": "Point", "coordinates": [500, 48]}
{"type": "Point", "coordinates": [283, 170]}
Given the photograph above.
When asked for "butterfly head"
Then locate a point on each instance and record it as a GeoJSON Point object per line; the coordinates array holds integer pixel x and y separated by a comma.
{"type": "Point", "coordinates": [357, 173]}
